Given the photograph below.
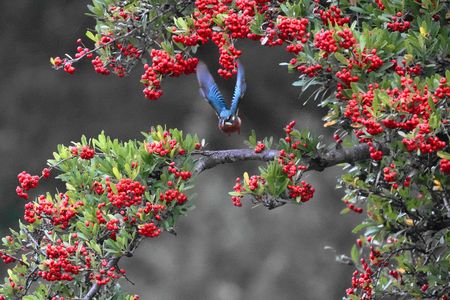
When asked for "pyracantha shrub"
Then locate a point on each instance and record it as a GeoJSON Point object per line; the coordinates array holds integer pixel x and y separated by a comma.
{"type": "Point", "coordinates": [116, 195]}
{"type": "Point", "coordinates": [379, 67]}
{"type": "Point", "coordinates": [280, 181]}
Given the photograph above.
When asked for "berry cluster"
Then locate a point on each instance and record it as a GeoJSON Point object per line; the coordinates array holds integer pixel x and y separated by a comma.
{"type": "Point", "coordinates": [346, 76]}
{"type": "Point", "coordinates": [152, 82]}
{"type": "Point", "coordinates": [324, 41]}
{"type": "Point", "coordinates": [97, 187]}
{"type": "Point", "coordinates": [7, 259]}
{"type": "Point", "coordinates": [403, 68]}
{"type": "Point", "coordinates": [287, 168]}
{"type": "Point", "coordinates": [155, 209]}
{"type": "Point", "coordinates": [398, 24]}
{"type": "Point", "coordinates": [290, 167]}
{"type": "Point", "coordinates": [102, 65]}
{"type": "Point", "coordinates": [28, 182]}
{"type": "Point", "coordinates": [395, 274]}
{"type": "Point", "coordinates": [165, 146]}
{"type": "Point", "coordinates": [99, 66]}
{"type": "Point", "coordinates": [113, 225]}
{"type": "Point", "coordinates": [260, 147]}
{"type": "Point", "coordinates": [58, 266]}
{"type": "Point", "coordinates": [380, 4]}
{"type": "Point", "coordinates": [87, 153]}
{"type": "Point", "coordinates": [332, 16]}
{"type": "Point", "coordinates": [390, 174]}
{"type": "Point", "coordinates": [45, 173]}
{"type": "Point", "coordinates": [444, 166]}
{"type": "Point", "coordinates": [105, 275]}
{"type": "Point", "coordinates": [362, 281]}
{"type": "Point", "coordinates": [149, 230]}
{"type": "Point", "coordinates": [294, 48]}
{"type": "Point", "coordinates": [310, 71]}
{"type": "Point", "coordinates": [347, 39]}
{"type": "Point", "coordinates": [228, 55]}
{"type": "Point", "coordinates": [443, 89]}
{"type": "Point", "coordinates": [129, 193]}
{"type": "Point", "coordinates": [255, 181]}
{"type": "Point", "coordinates": [236, 24]}
{"type": "Point", "coordinates": [352, 207]}
{"type": "Point", "coordinates": [370, 60]}
{"type": "Point", "coordinates": [129, 50]}
{"type": "Point", "coordinates": [99, 214]}
{"type": "Point", "coordinates": [184, 175]}
{"type": "Point", "coordinates": [236, 200]}
{"type": "Point", "coordinates": [304, 191]}
{"type": "Point", "coordinates": [412, 115]}
{"type": "Point", "coordinates": [291, 29]}
{"type": "Point", "coordinates": [171, 195]}
{"type": "Point", "coordinates": [425, 145]}
{"type": "Point", "coordinates": [59, 212]}
{"type": "Point", "coordinates": [163, 64]}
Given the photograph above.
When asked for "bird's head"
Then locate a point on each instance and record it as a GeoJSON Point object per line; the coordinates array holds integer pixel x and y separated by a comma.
{"type": "Point", "coordinates": [230, 124]}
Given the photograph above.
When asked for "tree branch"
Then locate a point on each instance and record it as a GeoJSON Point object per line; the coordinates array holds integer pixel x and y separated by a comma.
{"type": "Point", "coordinates": [210, 159]}
{"type": "Point", "coordinates": [96, 287]}
{"type": "Point", "coordinates": [93, 290]}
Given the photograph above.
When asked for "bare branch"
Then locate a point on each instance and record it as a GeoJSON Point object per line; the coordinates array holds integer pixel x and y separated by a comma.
{"type": "Point", "coordinates": [210, 159]}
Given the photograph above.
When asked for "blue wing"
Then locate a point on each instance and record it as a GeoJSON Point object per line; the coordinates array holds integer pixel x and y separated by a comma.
{"type": "Point", "coordinates": [239, 89]}
{"type": "Point", "coordinates": [209, 89]}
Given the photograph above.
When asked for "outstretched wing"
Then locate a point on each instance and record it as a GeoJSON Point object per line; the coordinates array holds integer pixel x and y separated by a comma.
{"type": "Point", "coordinates": [239, 89]}
{"type": "Point", "coordinates": [209, 89]}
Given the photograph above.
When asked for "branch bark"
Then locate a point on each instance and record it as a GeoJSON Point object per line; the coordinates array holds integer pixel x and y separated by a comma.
{"type": "Point", "coordinates": [210, 159]}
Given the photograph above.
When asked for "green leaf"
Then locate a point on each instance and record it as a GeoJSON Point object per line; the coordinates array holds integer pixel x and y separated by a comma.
{"type": "Point", "coordinates": [96, 247]}
{"type": "Point", "coordinates": [345, 211]}
{"type": "Point", "coordinates": [341, 58]}
{"type": "Point", "coordinates": [357, 9]}
{"type": "Point", "coordinates": [91, 36]}
{"type": "Point", "coordinates": [252, 139]}
{"type": "Point", "coordinates": [360, 227]}
{"type": "Point", "coordinates": [70, 187]}
{"type": "Point", "coordinates": [355, 254]}
{"type": "Point", "coordinates": [444, 155]}
{"type": "Point", "coordinates": [434, 121]}
{"type": "Point", "coordinates": [116, 173]}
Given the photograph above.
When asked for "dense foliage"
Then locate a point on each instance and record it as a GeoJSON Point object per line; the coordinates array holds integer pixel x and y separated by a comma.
{"type": "Point", "coordinates": [381, 69]}
{"type": "Point", "coordinates": [117, 194]}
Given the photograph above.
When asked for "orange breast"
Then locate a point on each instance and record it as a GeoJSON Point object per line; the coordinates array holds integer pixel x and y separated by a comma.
{"type": "Point", "coordinates": [231, 127]}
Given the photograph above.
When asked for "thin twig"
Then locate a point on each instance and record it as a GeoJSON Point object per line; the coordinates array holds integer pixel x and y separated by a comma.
{"type": "Point", "coordinates": [37, 248]}
{"type": "Point", "coordinates": [15, 258]}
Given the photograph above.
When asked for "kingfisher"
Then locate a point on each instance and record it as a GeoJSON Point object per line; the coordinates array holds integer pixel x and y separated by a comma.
{"type": "Point", "coordinates": [229, 120]}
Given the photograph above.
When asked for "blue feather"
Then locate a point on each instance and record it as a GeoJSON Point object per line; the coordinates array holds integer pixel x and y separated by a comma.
{"type": "Point", "coordinates": [209, 89]}
{"type": "Point", "coordinates": [239, 89]}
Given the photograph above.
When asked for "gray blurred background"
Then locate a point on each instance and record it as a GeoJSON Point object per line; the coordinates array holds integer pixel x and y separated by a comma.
{"type": "Point", "coordinates": [221, 252]}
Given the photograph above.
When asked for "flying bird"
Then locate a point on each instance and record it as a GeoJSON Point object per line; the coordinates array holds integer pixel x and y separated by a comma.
{"type": "Point", "coordinates": [228, 115]}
